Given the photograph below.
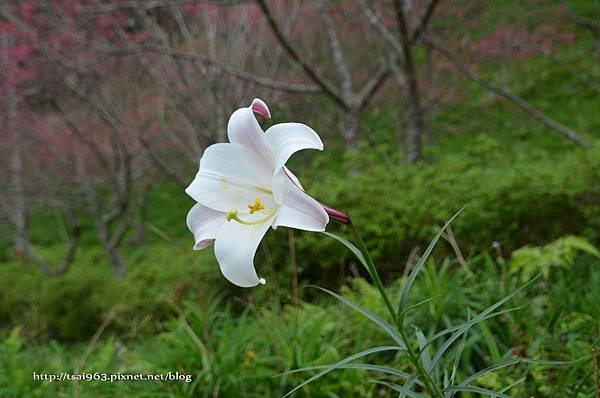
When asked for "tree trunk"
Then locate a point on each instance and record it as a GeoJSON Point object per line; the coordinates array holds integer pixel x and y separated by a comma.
{"type": "Point", "coordinates": [352, 129]}
{"type": "Point", "coordinates": [427, 108]}
{"type": "Point", "coordinates": [413, 94]}
{"type": "Point", "coordinates": [17, 211]}
{"type": "Point", "coordinates": [115, 259]}
{"type": "Point", "coordinates": [413, 102]}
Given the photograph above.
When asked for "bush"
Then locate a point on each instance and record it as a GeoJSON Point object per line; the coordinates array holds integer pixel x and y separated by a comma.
{"type": "Point", "coordinates": [512, 201]}
{"type": "Point", "coordinates": [247, 353]}
{"type": "Point", "coordinates": [72, 306]}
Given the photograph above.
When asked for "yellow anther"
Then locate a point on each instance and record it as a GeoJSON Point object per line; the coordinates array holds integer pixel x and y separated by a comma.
{"type": "Point", "coordinates": [256, 206]}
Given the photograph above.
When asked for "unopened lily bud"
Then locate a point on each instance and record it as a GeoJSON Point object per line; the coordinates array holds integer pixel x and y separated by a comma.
{"type": "Point", "coordinates": [337, 215]}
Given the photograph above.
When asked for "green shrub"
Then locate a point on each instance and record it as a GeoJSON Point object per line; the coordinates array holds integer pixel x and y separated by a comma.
{"type": "Point", "coordinates": [513, 202]}
{"type": "Point", "coordinates": [72, 306]}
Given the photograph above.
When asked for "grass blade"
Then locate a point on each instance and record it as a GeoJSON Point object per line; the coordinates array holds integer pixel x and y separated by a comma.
{"type": "Point", "coordinates": [458, 327]}
{"type": "Point", "coordinates": [420, 263]}
{"type": "Point", "coordinates": [383, 325]}
{"type": "Point", "coordinates": [396, 388]}
{"type": "Point", "coordinates": [338, 364]}
{"type": "Point", "coordinates": [479, 318]}
{"type": "Point", "coordinates": [479, 390]}
{"type": "Point", "coordinates": [362, 366]}
{"type": "Point", "coordinates": [406, 389]}
{"type": "Point", "coordinates": [417, 305]}
{"type": "Point", "coordinates": [512, 362]}
{"type": "Point", "coordinates": [516, 383]}
{"type": "Point", "coordinates": [487, 370]}
{"type": "Point", "coordinates": [490, 341]}
{"type": "Point", "coordinates": [352, 248]}
{"type": "Point", "coordinates": [457, 359]}
{"type": "Point", "coordinates": [423, 349]}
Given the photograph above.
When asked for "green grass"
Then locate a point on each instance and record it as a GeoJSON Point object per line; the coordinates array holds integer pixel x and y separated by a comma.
{"type": "Point", "coordinates": [523, 186]}
{"type": "Point", "coordinates": [248, 351]}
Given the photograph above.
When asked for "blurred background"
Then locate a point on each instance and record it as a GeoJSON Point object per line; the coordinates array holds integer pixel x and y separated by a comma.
{"type": "Point", "coordinates": [424, 106]}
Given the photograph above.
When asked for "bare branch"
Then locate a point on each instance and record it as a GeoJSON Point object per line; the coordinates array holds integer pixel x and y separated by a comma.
{"type": "Point", "coordinates": [379, 26]}
{"type": "Point", "coordinates": [424, 21]}
{"type": "Point", "coordinates": [310, 72]}
{"type": "Point", "coordinates": [506, 94]}
{"type": "Point", "coordinates": [336, 50]}
{"type": "Point", "coordinates": [74, 235]}
{"type": "Point", "coordinates": [580, 75]}
{"type": "Point", "coordinates": [147, 5]}
{"type": "Point", "coordinates": [246, 76]}
{"type": "Point", "coordinates": [373, 85]}
{"type": "Point", "coordinates": [588, 23]}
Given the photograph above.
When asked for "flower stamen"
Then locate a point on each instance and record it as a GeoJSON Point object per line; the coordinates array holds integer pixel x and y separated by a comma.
{"type": "Point", "coordinates": [233, 214]}
{"type": "Point", "coordinates": [256, 206]}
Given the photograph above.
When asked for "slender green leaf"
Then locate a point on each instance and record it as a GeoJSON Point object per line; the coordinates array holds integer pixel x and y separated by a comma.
{"type": "Point", "coordinates": [509, 387]}
{"type": "Point", "coordinates": [462, 325]}
{"type": "Point", "coordinates": [512, 362]}
{"type": "Point", "coordinates": [420, 263]}
{"type": "Point", "coordinates": [417, 305]}
{"type": "Point", "coordinates": [490, 369]}
{"type": "Point", "coordinates": [407, 387]}
{"type": "Point", "coordinates": [446, 345]}
{"type": "Point", "coordinates": [396, 388]}
{"type": "Point", "coordinates": [362, 366]}
{"type": "Point", "coordinates": [457, 358]}
{"type": "Point", "coordinates": [423, 349]}
{"type": "Point", "coordinates": [479, 318]}
{"type": "Point", "coordinates": [383, 325]}
{"type": "Point", "coordinates": [355, 250]}
{"type": "Point", "coordinates": [479, 390]}
{"type": "Point", "coordinates": [338, 364]}
{"type": "Point", "coordinates": [490, 341]}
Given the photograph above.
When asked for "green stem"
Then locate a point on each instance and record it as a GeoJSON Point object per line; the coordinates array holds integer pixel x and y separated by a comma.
{"type": "Point", "coordinates": [432, 388]}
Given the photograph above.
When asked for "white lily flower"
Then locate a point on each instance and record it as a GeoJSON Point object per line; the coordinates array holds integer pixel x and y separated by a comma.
{"type": "Point", "coordinates": [243, 188]}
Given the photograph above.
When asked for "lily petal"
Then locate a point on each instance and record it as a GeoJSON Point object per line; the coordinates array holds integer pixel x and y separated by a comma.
{"type": "Point", "coordinates": [235, 247]}
{"type": "Point", "coordinates": [243, 129]}
{"type": "Point", "coordinates": [298, 210]}
{"type": "Point", "coordinates": [285, 139]}
{"type": "Point", "coordinates": [293, 177]}
{"type": "Point", "coordinates": [231, 177]}
{"type": "Point", "coordinates": [204, 223]}
{"type": "Point", "coordinates": [259, 106]}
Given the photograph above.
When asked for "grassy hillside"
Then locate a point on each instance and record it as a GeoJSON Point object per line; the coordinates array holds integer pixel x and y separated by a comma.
{"type": "Point", "coordinates": [527, 193]}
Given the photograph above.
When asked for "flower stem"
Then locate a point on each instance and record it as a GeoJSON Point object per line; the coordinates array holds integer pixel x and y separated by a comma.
{"type": "Point", "coordinates": [431, 387]}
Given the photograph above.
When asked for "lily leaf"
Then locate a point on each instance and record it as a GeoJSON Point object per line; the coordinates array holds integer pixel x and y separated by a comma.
{"type": "Point", "coordinates": [513, 362]}
{"type": "Point", "coordinates": [362, 366]}
{"type": "Point", "coordinates": [341, 363]}
{"type": "Point", "coordinates": [479, 390]}
{"type": "Point", "coordinates": [396, 388]}
{"type": "Point", "coordinates": [383, 325]}
{"type": "Point", "coordinates": [353, 249]}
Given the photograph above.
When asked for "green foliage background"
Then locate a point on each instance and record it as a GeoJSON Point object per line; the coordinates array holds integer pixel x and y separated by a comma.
{"type": "Point", "coordinates": [532, 205]}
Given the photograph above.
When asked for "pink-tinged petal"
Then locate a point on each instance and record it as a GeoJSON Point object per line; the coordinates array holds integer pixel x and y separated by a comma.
{"type": "Point", "coordinates": [259, 106]}
{"type": "Point", "coordinates": [285, 139]}
{"type": "Point", "coordinates": [231, 176]}
{"type": "Point", "coordinates": [235, 248]}
{"type": "Point", "coordinates": [293, 177]}
{"type": "Point", "coordinates": [204, 223]}
{"type": "Point", "coordinates": [243, 129]}
{"type": "Point", "coordinates": [298, 210]}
